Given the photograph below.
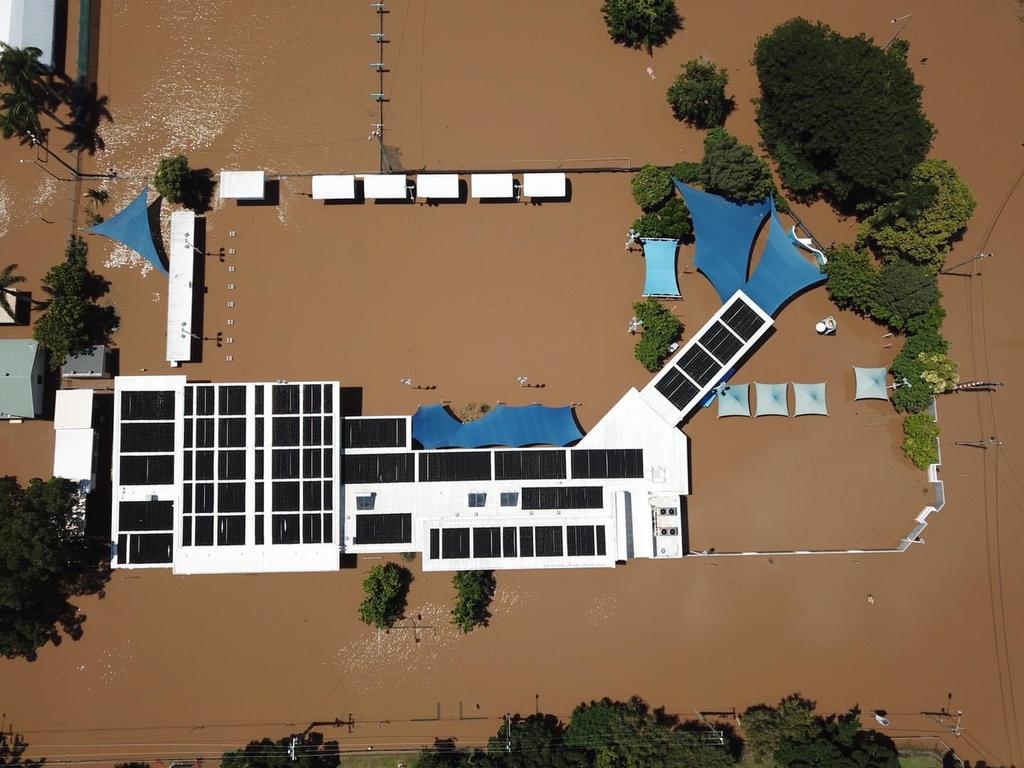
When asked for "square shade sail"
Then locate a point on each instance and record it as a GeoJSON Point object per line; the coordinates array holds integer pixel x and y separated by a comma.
{"type": "Point", "coordinates": [771, 400]}
{"type": "Point", "coordinates": [871, 384]}
{"type": "Point", "coordinates": [437, 186]}
{"type": "Point", "coordinates": [385, 187]}
{"type": "Point", "coordinates": [809, 399]}
{"type": "Point", "coordinates": [242, 185]}
{"type": "Point", "coordinates": [334, 187]}
{"type": "Point", "coordinates": [544, 185]}
{"type": "Point", "coordinates": [734, 400]}
{"type": "Point", "coordinates": [491, 185]}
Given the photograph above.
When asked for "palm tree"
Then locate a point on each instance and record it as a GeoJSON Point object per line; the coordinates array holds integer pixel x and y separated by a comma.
{"type": "Point", "coordinates": [20, 115]}
{"type": "Point", "coordinates": [7, 279]}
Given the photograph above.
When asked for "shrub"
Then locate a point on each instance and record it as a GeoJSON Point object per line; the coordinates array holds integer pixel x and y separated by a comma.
{"type": "Point", "coordinates": [660, 329]}
{"type": "Point", "coordinates": [172, 178]}
{"type": "Point", "coordinates": [733, 169]}
{"type": "Point", "coordinates": [913, 394]}
{"type": "Point", "coordinates": [475, 590]}
{"type": "Point", "coordinates": [766, 728]}
{"type": "Point", "coordinates": [939, 372]}
{"type": "Point", "coordinates": [641, 23]}
{"type": "Point", "coordinates": [905, 291]}
{"type": "Point", "coordinates": [698, 94]}
{"type": "Point", "coordinates": [920, 435]}
{"type": "Point", "coordinates": [686, 172]}
{"type": "Point", "coordinates": [651, 187]}
{"type": "Point", "coordinates": [852, 278]}
{"type": "Point", "coordinates": [385, 588]}
{"type": "Point", "coordinates": [670, 220]}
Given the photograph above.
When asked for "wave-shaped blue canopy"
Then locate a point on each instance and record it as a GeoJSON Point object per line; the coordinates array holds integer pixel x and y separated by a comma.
{"type": "Point", "coordinates": [725, 231]}
{"type": "Point", "coordinates": [782, 272]}
{"type": "Point", "coordinates": [660, 260]}
{"type": "Point", "coordinates": [131, 227]}
{"type": "Point", "coordinates": [433, 426]}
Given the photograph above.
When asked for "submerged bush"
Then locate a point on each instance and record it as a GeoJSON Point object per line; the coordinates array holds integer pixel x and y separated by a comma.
{"type": "Point", "coordinates": [660, 329]}
{"type": "Point", "coordinates": [920, 436]}
{"type": "Point", "coordinates": [651, 187]}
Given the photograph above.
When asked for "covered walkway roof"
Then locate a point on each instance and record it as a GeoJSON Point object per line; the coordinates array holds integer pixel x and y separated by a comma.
{"type": "Point", "coordinates": [131, 227]}
{"type": "Point", "coordinates": [660, 259]}
{"type": "Point", "coordinates": [434, 426]}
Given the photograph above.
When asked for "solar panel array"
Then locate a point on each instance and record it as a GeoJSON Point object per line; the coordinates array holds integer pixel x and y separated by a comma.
{"type": "Point", "coordinates": [384, 528]}
{"type": "Point", "coordinates": [564, 497]}
{"type": "Point", "coordinates": [447, 466]}
{"type": "Point", "coordinates": [529, 465]}
{"type": "Point", "coordinates": [375, 433]}
{"type": "Point", "coordinates": [379, 468]}
{"type": "Point", "coordinates": [611, 463]}
{"type": "Point", "coordinates": [488, 542]}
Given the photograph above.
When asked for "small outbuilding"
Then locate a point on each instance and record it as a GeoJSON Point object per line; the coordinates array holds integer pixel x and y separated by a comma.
{"type": "Point", "coordinates": [334, 187]}
{"type": "Point", "coordinates": [21, 379]}
{"type": "Point", "coordinates": [385, 186]}
{"type": "Point", "coordinates": [547, 186]}
{"type": "Point", "coordinates": [242, 185]}
{"type": "Point", "coordinates": [494, 186]}
{"type": "Point", "coordinates": [437, 186]}
{"type": "Point", "coordinates": [93, 363]}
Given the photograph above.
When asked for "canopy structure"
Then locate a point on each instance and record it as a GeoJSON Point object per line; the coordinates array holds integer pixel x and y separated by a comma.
{"type": "Point", "coordinates": [660, 257]}
{"type": "Point", "coordinates": [782, 272]}
{"type": "Point", "coordinates": [242, 185]}
{"type": "Point", "coordinates": [734, 400]}
{"type": "Point", "coordinates": [437, 186]}
{"type": "Point", "coordinates": [871, 384]}
{"type": "Point", "coordinates": [180, 287]}
{"type": "Point", "coordinates": [131, 227]}
{"type": "Point", "coordinates": [492, 185]}
{"type": "Point", "coordinates": [545, 185]}
{"type": "Point", "coordinates": [385, 186]}
{"type": "Point", "coordinates": [434, 426]}
{"type": "Point", "coordinates": [335, 187]}
{"type": "Point", "coordinates": [771, 400]}
{"type": "Point", "coordinates": [809, 399]}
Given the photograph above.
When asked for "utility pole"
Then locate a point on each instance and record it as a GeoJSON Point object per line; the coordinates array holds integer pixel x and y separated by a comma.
{"type": "Point", "coordinates": [35, 141]}
{"type": "Point", "coordinates": [972, 261]}
{"type": "Point", "coordinates": [984, 444]}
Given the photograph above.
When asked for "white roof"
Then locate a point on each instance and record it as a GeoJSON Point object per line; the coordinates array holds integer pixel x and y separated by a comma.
{"type": "Point", "coordinates": [73, 409]}
{"type": "Point", "coordinates": [544, 184]}
{"type": "Point", "coordinates": [241, 185]}
{"type": "Point", "coordinates": [334, 187]}
{"type": "Point", "coordinates": [491, 185]}
{"type": "Point", "coordinates": [29, 23]}
{"type": "Point", "coordinates": [180, 290]}
{"type": "Point", "coordinates": [384, 187]}
{"type": "Point", "coordinates": [72, 456]}
{"type": "Point", "coordinates": [438, 186]}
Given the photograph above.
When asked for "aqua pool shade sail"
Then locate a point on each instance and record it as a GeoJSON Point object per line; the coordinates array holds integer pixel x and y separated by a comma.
{"type": "Point", "coordinates": [130, 227]}
{"type": "Point", "coordinates": [771, 399]}
{"type": "Point", "coordinates": [809, 399]}
{"type": "Point", "coordinates": [871, 384]}
{"type": "Point", "coordinates": [434, 426]}
{"type": "Point", "coordinates": [660, 259]}
{"type": "Point", "coordinates": [734, 400]}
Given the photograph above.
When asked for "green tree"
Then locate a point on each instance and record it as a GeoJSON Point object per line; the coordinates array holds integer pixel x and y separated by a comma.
{"type": "Point", "coordinates": [44, 561]}
{"type": "Point", "coordinates": [641, 23]}
{"type": "Point", "coordinates": [838, 114]}
{"type": "Point", "coordinates": [853, 278]}
{"type": "Point", "coordinates": [939, 372]}
{"type": "Point", "coordinates": [532, 742]}
{"type": "Point", "coordinates": [73, 321]}
{"type": "Point", "coordinates": [660, 329]}
{"type": "Point", "coordinates": [733, 169]}
{"type": "Point", "coordinates": [651, 187]}
{"type": "Point", "coordinates": [686, 172]}
{"type": "Point", "coordinates": [905, 291]}
{"type": "Point", "coordinates": [670, 220]}
{"type": "Point", "coordinates": [311, 751]}
{"type": "Point", "coordinates": [920, 433]}
{"type": "Point", "coordinates": [912, 393]}
{"type": "Point", "coordinates": [698, 94]}
{"type": "Point", "coordinates": [474, 592]}
{"type": "Point", "coordinates": [766, 728]}
{"type": "Point", "coordinates": [172, 178]}
{"type": "Point", "coordinates": [922, 222]}
{"type": "Point", "coordinates": [839, 742]}
{"type": "Point", "coordinates": [385, 589]}
{"type": "Point", "coordinates": [8, 277]}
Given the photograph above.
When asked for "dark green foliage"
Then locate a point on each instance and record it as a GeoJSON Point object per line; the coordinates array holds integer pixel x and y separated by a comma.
{"type": "Point", "coordinates": [766, 728]}
{"type": "Point", "coordinates": [641, 23]}
{"type": "Point", "coordinates": [651, 187]}
{"type": "Point", "coordinates": [310, 752]}
{"type": "Point", "coordinates": [733, 169]}
{"type": "Point", "coordinates": [838, 114]}
{"type": "Point", "coordinates": [475, 590]}
{"type": "Point", "coordinates": [698, 94]}
{"type": "Point", "coordinates": [839, 742]}
{"type": "Point", "coordinates": [172, 178]}
{"type": "Point", "coordinates": [670, 220]}
{"type": "Point", "coordinates": [44, 561]}
{"type": "Point", "coordinates": [853, 278]}
{"type": "Point", "coordinates": [73, 321]}
{"type": "Point", "coordinates": [535, 742]}
{"type": "Point", "coordinates": [385, 588]}
{"type": "Point", "coordinates": [660, 328]}
{"type": "Point", "coordinates": [920, 433]}
{"type": "Point", "coordinates": [686, 172]}
{"type": "Point", "coordinates": [904, 291]}
{"type": "Point", "coordinates": [913, 393]}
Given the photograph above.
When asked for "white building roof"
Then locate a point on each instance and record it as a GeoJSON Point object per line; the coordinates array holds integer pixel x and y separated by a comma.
{"type": "Point", "coordinates": [544, 184]}
{"type": "Point", "coordinates": [491, 185]}
{"type": "Point", "coordinates": [180, 289]}
{"type": "Point", "coordinates": [242, 185]}
{"type": "Point", "coordinates": [437, 186]}
{"type": "Point", "coordinates": [384, 186]}
{"type": "Point", "coordinates": [334, 187]}
{"type": "Point", "coordinates": [72, 456]}
{"type": "Point", "coordinates": [73, 409]}
{"type": "Point", "coordinates": [29, 23]}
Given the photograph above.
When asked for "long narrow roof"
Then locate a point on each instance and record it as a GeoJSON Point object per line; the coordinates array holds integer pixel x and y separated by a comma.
{"type": "Point", "coordinates": [131, 227]}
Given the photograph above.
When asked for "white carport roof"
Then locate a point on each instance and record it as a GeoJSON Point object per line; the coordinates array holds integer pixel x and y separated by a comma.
{"type": "Point", "coordinates": [242, 185]}
{"type": "Point", "coordinates": [437, 186]}
{"type": "Point", "coordinates": [491, 185]}
{"type": "Point", "coordinates": [544, 184]}
{"type": "Point", "coordinates": [384, 187]}
{"type": "Point", "coordinates": [180, 288]}
{"type": "Point", "coordinates": [334, 187]}
{"type": "Point", "coordinates": [73, 409]}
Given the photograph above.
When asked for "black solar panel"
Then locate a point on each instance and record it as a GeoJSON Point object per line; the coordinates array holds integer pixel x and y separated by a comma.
{"type": "Point", "coordinates": [699, 365]}
{"type": "Point", "coordinates": [258, 397]}
{"type": "Point", "coordinates": [455, 465]}
{"type": "Point", "coordinates": [286, 398]}
{"type": "Point", "coordinates": [600, 541]}
{"type": "Point", "coordinates": [526, 541]}
{"type": "Point", "coordinates": [328, 528]}
{"type": "Point", "coordinates": [147, 438]}
{"type": "Point", "coordinates": [232, 401]}
{"type": "Point", "coordinates": [187, 433]}
{"type": "Point", "coordinates": [284, 529]}
{"type": "Point", "coordinates": [312, 532]}
{"type": "Point", "coordinates": [204, 532]}
{"type": "Point", "coordinates": [611, 463]}
{"type": "Point", "coordinates": [379, 468]}
{"type": "Point", "coordinates": [312, 500]}
{"type": "Point", "coordinates": [145, 516]}
{"type": "Point", "coordinates": [435, 543]}
{"type": "Point", "coordinates": [311, 430]}
{"type": "Point", "coordinates": [232, 433]}
{"type": "Point", "coordinates": [152, 406]}
{"type": "Point", "coordinates": [454, 543]}
{"type": "Point", "coordinates": [204, 401]}
{"type": "Point", "coordinates": [204, 433]}
{"type": "Point", "coordinates": [720, 342]}
{"type": "Point", "coordinates": [579, 540]}
{"type": "Point", "coordinates": [384, 529]}
{"type": "Point", "coordinates": [328, 398]}
{"type": "Point", "coordinates": [150, 548]}
{"type": "Point", "coordinates": [374, 433]}
{"type": "Point", "coordinates": [284, 497]}
{"type": "Point", "coordinates": [487, 542]}
{"type": "Point", "coordinates": [529, 465]}
{"type": "Point", "coordinates": [311, 398]}
{"type": "Point", "coordinates": [204, 465]}
{"type": "Point", "coordinates": [311, 462]}
{"type": "Point", "coordinates": [230, 498]}
{"type": "Point", "coordinates": [508, 543]}
{"type": "Point", "coordinates": [188, 401]}
{"type": "Point", "coordinates": [676, 388]}
{"type": "Point", "coordinates": [286, 431]}
{"type": "Point", "coordinates": [230, 531]}
{"type": "Point", "coordinates": [574, 497]}
{"type": "Point", "coordinates": [204, 498]}
{"type": "Point", "coordinates": [147, 470]}
{"type": "Point", "coordinates": [231, 465]}
{"type": "Point", "coordinates": [548, 540]}
{"type": "Point", "coordinates": [742, 319]}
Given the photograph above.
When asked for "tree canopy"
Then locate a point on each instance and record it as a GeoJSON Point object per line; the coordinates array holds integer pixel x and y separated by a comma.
{"type": "Point", "coordinates": [839, 742]}
{"type": "Point", "coordinates": [920, 433]}
{"type": "Point", "coordinates": [672, 219]}
{"type": "Point", "coordinates": [172, 178]}
{"type": "Point", "coordinates": [641, 23]}
{"type": "Point", "coordinates": [840, 115]}
{"type": "Point", "coordinates": [474, 592]}
{"type": "Point", "coordinates": [852, 278]}
{"type": "Point", "coordinates": [385, 588]}
{"type": "Point", "coordinates": [660, 329]}
{"type": "Point", "coordinates": [532, 742]}
{"type": "Point", "coordinates": [44, 561]}
{"type": "Point", "coordinates": [733, 169]}
{"type": "Point", "coordinates": [905, 291]}
{"type": "Point", "coordinates": [698, 94]}
{"type": "Point", "coordinates": [766, 728]}
{"type": "Point", "coordinates": [73, 321]}
{"type": "Point", "coordinates": [310, 752]}
{"type": "Point", "coordinates": [651, 187]}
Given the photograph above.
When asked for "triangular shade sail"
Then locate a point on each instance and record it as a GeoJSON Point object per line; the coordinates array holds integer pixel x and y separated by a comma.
{"type": "Point", "coordinates": [433, 426]}
{"type": "Point", "coordinates": [660, 259]}
{"type": "Point", "coordinates": [734, 400]}
{"type": "Point", "coordinates": [771, 400]}
{"type": "Point", "coordinates": [809, 399]}
{"type": "Point", "coordinates": [131, 227]}
{"type": "Point", "coordinates": [871, 384]}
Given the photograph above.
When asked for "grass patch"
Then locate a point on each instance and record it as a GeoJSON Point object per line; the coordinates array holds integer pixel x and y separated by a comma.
{"type": "Point", "coordinates": [920, 761]}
